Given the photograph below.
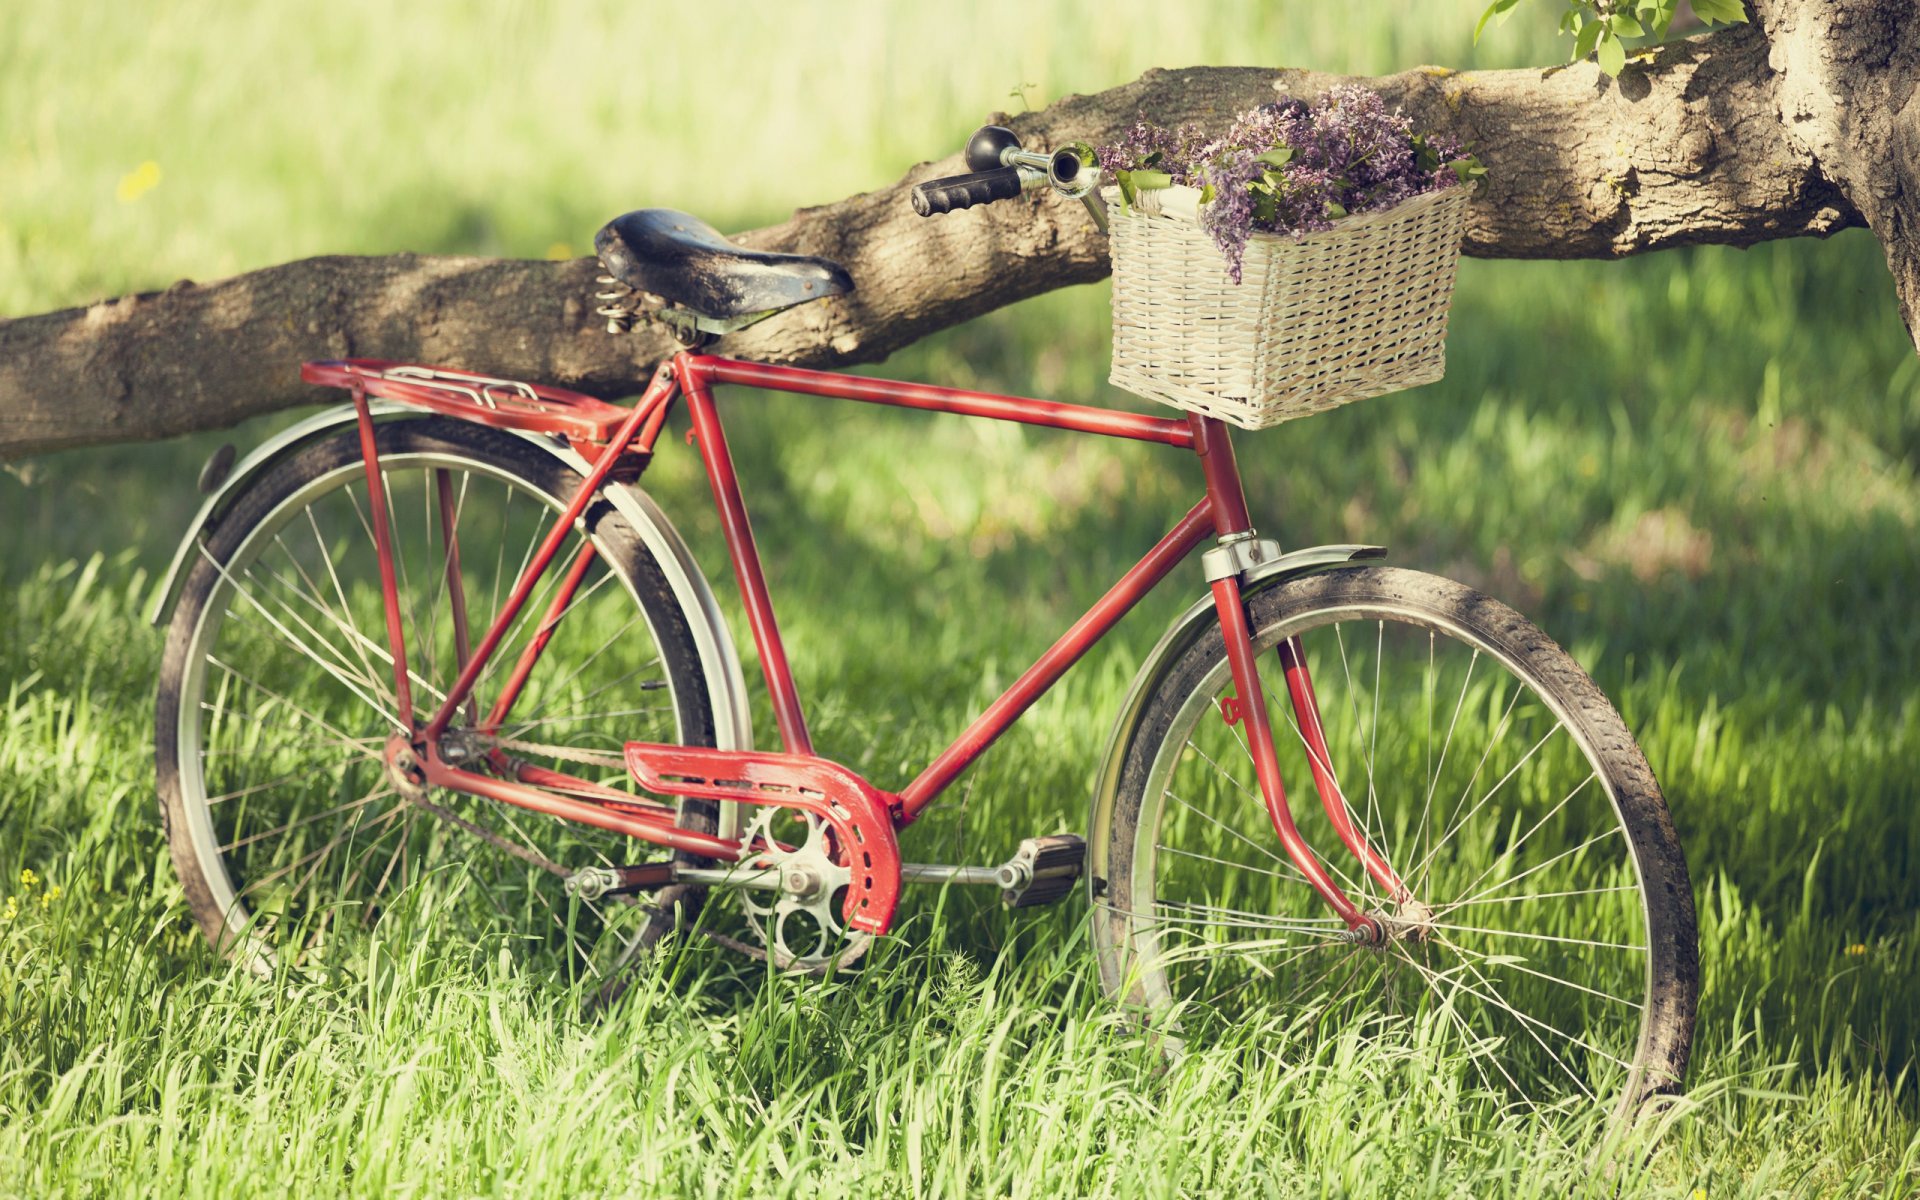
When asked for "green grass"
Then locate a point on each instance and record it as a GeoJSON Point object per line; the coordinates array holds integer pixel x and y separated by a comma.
{"type": "Point", "coordinates": [1697, 471]}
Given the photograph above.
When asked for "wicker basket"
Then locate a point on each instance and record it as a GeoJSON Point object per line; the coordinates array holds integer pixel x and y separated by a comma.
{"type": "Point", "coordinates": [1355, 311]}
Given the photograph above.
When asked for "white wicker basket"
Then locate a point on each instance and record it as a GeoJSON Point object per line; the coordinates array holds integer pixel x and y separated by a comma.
{"type": "Point", "coordinates": [1354, 311]}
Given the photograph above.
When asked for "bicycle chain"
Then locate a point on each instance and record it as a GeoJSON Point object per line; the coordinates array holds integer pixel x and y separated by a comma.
{"type": "Point", "coordinates": [612, 762]}
{"type": "Point", "coordinates": [567, 753]}
{"type": "Point", "coordinates": [493, 839]}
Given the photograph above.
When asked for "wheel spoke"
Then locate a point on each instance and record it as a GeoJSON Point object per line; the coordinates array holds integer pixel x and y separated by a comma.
{"type": "Point", "coordinates": [1528, 935]}
{"type": "Point", "coordinates": [1292, 875]}
{"type": "Point", "coordinates": [1207, 816]}
{"type": "Point", "coordinates": [1423, 868]}
{"type": "Point", "coordinates": [1459, 988]}
{"type": "Point", "coordinates": [298, 824]}
{"type": "Point", "coordinates": [1234, 918]}
{"type": "Point", "coordinates": [379, 793]}
{"type": "Point", "coordinates": [296, 709]}
{"type": "Point", "coordinates": [1494, 996]}
{"type": "Point", "coordinates": [1509, 963]}
{"type": "Point", "coordinates": [324, 664]}
{"type": "Point", "coordinates": [1613, 831]}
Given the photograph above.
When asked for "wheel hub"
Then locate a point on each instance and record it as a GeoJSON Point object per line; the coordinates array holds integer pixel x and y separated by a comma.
{"type": "Point", "coordinates": [1411, 921]}
{"type": "Point", "coordinates": [404, 768]}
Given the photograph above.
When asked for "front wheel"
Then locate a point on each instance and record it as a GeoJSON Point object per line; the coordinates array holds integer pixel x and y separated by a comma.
{"type": "Point", "coordinates": [1549, 934]}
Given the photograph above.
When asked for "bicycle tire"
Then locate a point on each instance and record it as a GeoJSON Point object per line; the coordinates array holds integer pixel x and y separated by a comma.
{"type": "Point", "coordinates": [1138, 925]}
{"type": "Point", "coordinates": [325, 472]}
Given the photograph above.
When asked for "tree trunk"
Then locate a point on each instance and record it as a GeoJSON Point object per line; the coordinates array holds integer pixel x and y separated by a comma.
{"type": "Point", "coordinates": [1798, 125]}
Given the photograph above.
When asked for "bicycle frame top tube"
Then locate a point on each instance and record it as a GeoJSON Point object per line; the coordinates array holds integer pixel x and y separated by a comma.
{"type": "Point", "coordinates": [702, 371]}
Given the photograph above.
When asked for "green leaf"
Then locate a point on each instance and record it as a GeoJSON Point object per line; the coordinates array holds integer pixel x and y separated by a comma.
{"type": "Point", "coordinates": [1279, 156]}
{"type": "Point", "coordinates": [1336, 210]}
{"type": "Point", "coordinates": [1148, 181]}
{"type": "Point", "coordinates": [1720, 12]}
{"type": "Point", "coordinates": [1468, 169]}
{"type": "Point", "coordinates": [1613, 55]}
{"type": "Point", "coordinates": [1207, 194]}
{"type": "Point", "coordinates": [1424, 155]}
{"type": "Point", "coordinates": [1589, 34]}
{"type": "Point", "coordinates": [1125, 180]}
{"type": "Point", "coordinates": [1151, 160]}
{"type": "Point", "coordinates": [1499, 8]}
{"type": "Point", "coordinates": [1625, 26]}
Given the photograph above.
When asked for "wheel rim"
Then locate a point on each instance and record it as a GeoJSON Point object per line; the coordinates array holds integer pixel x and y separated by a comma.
{"type": "Point", "coordinates": [290, 808]}
{"type": "Point", "coordinates": [1535, 959]}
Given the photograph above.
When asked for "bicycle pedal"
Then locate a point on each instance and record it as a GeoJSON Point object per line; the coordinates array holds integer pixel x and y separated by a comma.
{"type": "Point", "coordinates": [1043, 870]}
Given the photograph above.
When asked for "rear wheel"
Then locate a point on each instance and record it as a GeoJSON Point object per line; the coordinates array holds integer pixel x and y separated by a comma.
{"type": "Point", "coordinates": [1550, 934]}
{"type": "Point", "coordinates": [289, 827]}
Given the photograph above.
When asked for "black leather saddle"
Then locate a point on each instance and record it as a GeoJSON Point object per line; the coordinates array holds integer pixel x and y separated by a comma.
{"type": "Point", "coordinates": [687, 263]}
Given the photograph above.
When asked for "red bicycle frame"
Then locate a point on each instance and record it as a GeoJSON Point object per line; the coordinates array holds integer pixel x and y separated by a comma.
{"type": "Point", "coordinates": [862, 815]}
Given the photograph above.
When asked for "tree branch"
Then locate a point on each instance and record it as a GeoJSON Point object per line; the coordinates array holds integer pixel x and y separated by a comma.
{"type": "Point", "coordinates": [1686, 147]}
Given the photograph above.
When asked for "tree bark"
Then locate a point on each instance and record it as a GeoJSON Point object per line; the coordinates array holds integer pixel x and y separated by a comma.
{"type": "Point", "coordinates": [1735, 137]}
{"type": "Point", "coordinates": [1846, 78]}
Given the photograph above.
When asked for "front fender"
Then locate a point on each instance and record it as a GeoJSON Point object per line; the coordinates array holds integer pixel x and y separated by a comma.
{"type": "Point", "coordinates": [1191, 624]}
{"type": "Point", "coordinates": [726, 686]}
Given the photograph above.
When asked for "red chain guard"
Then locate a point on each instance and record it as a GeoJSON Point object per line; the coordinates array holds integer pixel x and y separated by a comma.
{"type": "Point", "coordinates": [860, 815]}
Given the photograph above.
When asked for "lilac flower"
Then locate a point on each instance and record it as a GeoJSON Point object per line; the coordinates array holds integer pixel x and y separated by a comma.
{"type": "Point", "coordinates": [1147, 146]}
{"type": "Point", "coordinates": [1293, 167]}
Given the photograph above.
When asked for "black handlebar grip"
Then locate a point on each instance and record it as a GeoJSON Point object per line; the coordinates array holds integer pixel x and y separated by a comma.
{"type": "Point", "coordinates": [965, 191]}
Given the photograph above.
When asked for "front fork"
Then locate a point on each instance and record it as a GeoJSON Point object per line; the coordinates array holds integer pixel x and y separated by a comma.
{"type": "Point", "coordinates": [1248, 708]}
{"type": "Point", "coordinates": [1248, 705]}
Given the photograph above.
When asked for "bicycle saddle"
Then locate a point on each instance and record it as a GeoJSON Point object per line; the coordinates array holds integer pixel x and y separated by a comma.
{"type": "Point", "coordinates": [686, 262]}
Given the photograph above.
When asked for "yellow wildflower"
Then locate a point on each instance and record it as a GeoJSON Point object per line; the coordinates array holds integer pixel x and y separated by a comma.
{"type": "Point", "coordinates": [138, 182]}
{"type": "Point", "coordinates": [27, 877]}
{"type": "Point", "coordinates": [11, 911]}
{"type": "Point", "coordinates": [1856, 950]}
{"type": "Point", "coordinates": [50, 895]}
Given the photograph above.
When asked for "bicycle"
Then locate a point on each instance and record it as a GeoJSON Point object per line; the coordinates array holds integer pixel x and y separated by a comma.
{"type": "Point", "coordinates": [336, 730]}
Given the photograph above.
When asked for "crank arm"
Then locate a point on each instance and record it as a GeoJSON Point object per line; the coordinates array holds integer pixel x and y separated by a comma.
{"type": "Point", "coordinates": [1042, 871]}
{"type": "Point", "coordinates": [591, 883]}
{"type": "Point", "coordinates": [769, 878]}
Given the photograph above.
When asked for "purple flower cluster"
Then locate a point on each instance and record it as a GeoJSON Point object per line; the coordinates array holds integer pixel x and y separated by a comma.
{"type": "Point", "coordinates": [1292, 167]}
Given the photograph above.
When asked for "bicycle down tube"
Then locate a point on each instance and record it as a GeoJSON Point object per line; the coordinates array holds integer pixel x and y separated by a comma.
{"type": "Point", "coordinates": [1222, 512]}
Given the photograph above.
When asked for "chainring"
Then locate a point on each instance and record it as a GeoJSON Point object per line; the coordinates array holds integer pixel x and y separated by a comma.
{"type": "Point", "coordinates": [798, 925]}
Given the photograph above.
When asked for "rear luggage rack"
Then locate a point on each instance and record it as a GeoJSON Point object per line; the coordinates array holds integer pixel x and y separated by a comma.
{"type": "Point", "coordinates": [502, 403]}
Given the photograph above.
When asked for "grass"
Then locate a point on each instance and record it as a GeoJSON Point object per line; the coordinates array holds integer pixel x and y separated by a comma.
{"type": "Point", "coordinates": [1697, 471]}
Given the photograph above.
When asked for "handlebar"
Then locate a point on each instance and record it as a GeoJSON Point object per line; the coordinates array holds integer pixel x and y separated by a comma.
{"type": "Point", "coordinates": [1002, 169]}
